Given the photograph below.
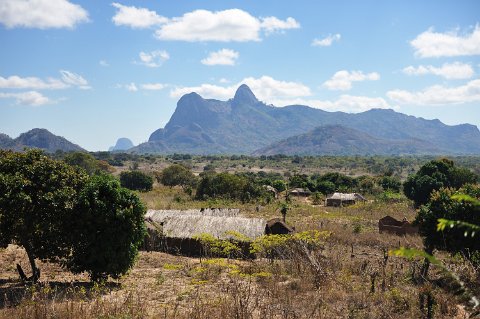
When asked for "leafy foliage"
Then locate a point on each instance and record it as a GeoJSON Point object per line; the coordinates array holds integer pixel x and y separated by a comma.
{"type": "Point", "coordinates": [87, 162]}
{"type": "Point", "coordinates": [228, 186]}
{"type": "Point", "coordinates": [108, 229]}
{"type": "Point", "coordinates": [37, 196]}
{"type": "Point", "coordinates": [136, 180]}
{"type": "Point", "coordinates": [177, 175]}
{"type": "Point", "coordinates": [433, 176]}
{"type": "Point", "coordinates": [444, 206]}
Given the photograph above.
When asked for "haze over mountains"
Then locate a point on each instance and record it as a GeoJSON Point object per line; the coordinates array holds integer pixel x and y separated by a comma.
{"type": "Point", "coordinates": [244, 125]}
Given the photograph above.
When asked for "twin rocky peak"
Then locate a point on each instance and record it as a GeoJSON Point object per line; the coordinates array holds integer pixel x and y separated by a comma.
{"type": "Point", "coordinates": [244, 125]}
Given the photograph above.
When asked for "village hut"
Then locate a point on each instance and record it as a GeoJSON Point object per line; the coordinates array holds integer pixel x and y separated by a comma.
{"type": "Point", "coordinates": [342, 199]}
{"type": "Point", "coordinates": [276, 226]}
{"type": "Point", "coordinates": [176, 230]}
{"type": "Point", "coordinates": [391, 225]}
{"type": "Point", "coordinates": [300, 192]}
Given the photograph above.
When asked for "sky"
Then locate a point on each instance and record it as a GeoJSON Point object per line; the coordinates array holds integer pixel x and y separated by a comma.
{"type": "Point", "coordinates": [93, 71]}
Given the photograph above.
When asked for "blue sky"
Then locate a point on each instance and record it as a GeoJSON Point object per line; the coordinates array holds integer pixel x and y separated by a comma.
{"type": "Point", "coordinates": [94, 71]}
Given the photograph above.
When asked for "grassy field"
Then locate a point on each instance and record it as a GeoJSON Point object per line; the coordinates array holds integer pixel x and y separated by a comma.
{"type": "Point", "coordinates": [350, 275]}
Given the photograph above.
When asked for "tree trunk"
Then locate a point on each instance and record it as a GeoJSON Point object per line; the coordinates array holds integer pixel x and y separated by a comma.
{"type": "Point", "coordinates": [426, 264]}
{"type": "Point", "coordinates": [31, 258]}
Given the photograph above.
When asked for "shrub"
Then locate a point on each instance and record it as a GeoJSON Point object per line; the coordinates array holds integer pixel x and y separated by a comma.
{"type": "Point", "coordinates": [136, 180]}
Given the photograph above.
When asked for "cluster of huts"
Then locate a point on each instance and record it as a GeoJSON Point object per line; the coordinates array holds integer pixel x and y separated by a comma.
{"type": "Point", "coordinates": [177, 231]}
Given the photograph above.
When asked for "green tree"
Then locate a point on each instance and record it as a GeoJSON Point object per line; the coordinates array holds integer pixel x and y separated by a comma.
{"type": "Point", "coordinates": [279, 185]}
{"type": "Point", "coordinates": [136, 180]}
{"type": "Point", "coordinates": [87, 162]}
{"type": "Point", "coordinates": [177, 175]}
{"type": "Point", "coordinates": [107, 229]}
{"type": "Point", "coordinates": [37, 196]}
{"type": "Point", "coordinates": [390, 183]}
{"type": "Point", "coordinates": [228, 186]}
{"type": "Point", "coordinates": [433, 176]}
{"type": "Point", "coordinates": [444, 205]}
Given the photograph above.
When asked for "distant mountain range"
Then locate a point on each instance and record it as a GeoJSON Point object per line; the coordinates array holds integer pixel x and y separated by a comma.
{"type": "Point", "coordinates": [244, 125]}
{"type": "Point", "coordinates": [38, 138]}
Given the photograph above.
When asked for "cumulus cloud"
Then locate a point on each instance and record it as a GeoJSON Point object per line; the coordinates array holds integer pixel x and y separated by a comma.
{"type": "Point", "coordinates": [224, 26]}
{"type": "Point", "coordinates": [137, 18]}
{"type": "Point", "coordinates": [273, 24]}
{"type": "Point", "coordinates": [283, 93]}
{"type": "Point", "coordinates": [326, 42]}
{"type": "Point", "coordinates": [41, 14]}
{"type": "Point", "coordinates": [456, 70]}
{"type": "Point", "coordinates": [266, 89]}
{"type": "Point", "coordinates": [33, 98]}
{"type": "Point", "coordinates": [68, 79]}
{"type": "Point", "coordinates": [153, 59]}
{"type": "Point", "coordinates": [342, 80]}
{"type": "Point", "coordinates": [439, 95]}
{"type": "Point", "coordinates": [221, 57]}
{"type": "Point", "coordinates": [153, 86]}
{"type": "Point", "coordinates": [103, 63]}
{"type": "Point", "coordinates": [436, 44]}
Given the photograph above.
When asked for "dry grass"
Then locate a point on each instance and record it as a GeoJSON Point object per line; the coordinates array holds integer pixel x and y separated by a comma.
{"type": "Point", "coordinates": [349, 276]}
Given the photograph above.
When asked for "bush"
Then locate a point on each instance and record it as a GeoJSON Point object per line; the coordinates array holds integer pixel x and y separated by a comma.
{"type": "Point", "coordinates": [177, 175]}
{"type": "Point", "coordinates": [108, 229]}
{"type": "Point", "coordinates": [228, 186]}
{"type": "Point", "coordinates": [136, 180]}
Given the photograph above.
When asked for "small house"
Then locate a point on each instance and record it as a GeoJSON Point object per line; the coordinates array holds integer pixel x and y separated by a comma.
{"type": "Point", "coordinates": [300, 192]}
{"type": "Point", "coordinates": [391, 225]}
{"type": "Point", "coordinates": [343, 199]}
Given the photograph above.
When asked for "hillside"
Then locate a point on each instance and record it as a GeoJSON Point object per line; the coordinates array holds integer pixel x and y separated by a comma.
{"type": "Point", "coordinates": [39, 138]}
{"type": "Point", "coordinates": [341, 140]}
{"type": "Point", "coordinates": [243, 125]}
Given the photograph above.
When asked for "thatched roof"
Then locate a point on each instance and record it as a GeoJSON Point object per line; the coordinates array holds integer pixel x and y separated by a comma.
{"type": "Point", "coordinates": [347, 197]}
{"type": "Point", "coordinates": [188, 223]}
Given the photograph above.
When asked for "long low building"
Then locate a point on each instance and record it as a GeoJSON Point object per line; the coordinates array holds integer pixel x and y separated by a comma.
{"type": "Point", "coordinates": [342, 199]}
{"type": "Point", "coordinates": [175, 230]}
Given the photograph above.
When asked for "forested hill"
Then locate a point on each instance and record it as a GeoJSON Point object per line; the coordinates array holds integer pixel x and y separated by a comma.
{"type": "Point", "coordinates": [38, 138]}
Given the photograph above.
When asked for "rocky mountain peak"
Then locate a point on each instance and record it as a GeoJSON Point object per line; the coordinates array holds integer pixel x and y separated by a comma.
{"type": "Point", "coordinates": [244, 96]}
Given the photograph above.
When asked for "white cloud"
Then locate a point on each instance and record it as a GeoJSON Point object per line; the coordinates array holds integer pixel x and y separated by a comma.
{"type": "Point", "coordinates": [221, 57]}
{"type": "Point", "coordinates": [131, 87]}
{"type": "Point", "coordinates": [74, 79]}
{"type": "Point", "coordinates": [224, 26]}
{"type": "Point", "coordinates": [342, 80]}
{"type": "Point", "coordinates": [103, 63]}
{"type": "Point", "coordinates": [137, 18]}
{"type": "Point", "coordinates": [153, 59]}
{"type": "Point", "coordinates": [16, 82]}
{"type": "Point", "coordinates": [326, 42]}
{"type": "Point", "coordinates": [266, 89]}
{"type": "Point", "coordinates": [153, 86]}
{"type": "Point", "coordinates": [439, 95]}
{"type": "Point", "coordinates": [68, 79]}
{"type": "Point", "coordinates": [42, 14]}
{"type": "Point", "coordinates": [345, 103]}
{"type": "Point", "coordinates": [273, 24]}
{"type": "Point", "coordinates": [224, 80]}
{"type": "Point", "coordinates": [27, 98]}
{"type": "Point", "coordinates": [435, 44]}
{"type": "Point", "coordinates": [456, 70]}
